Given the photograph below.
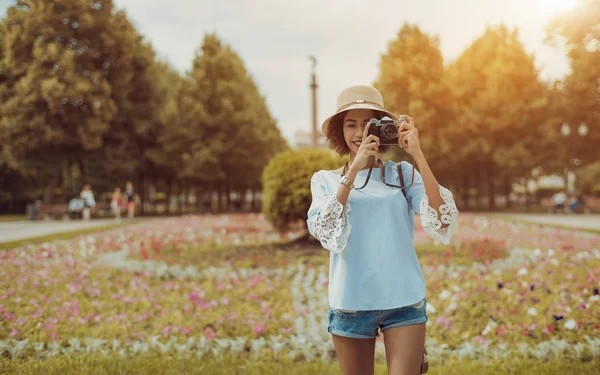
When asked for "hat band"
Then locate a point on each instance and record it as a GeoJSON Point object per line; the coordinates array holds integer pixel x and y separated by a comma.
{"type": "Point", "coordinates": [359, 102]}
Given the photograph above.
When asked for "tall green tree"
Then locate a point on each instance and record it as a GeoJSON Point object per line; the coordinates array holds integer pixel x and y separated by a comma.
{"type": "Point", "coordinates": [69, 60]}
{"type": "Point", "coordinates": [411, 80]}
{"type": "Point", "coordinates": [499, 102]}
{"type": "Point", "coordinates": [231, 135]}
{"type": "Point", "coordinates": [578, 29]}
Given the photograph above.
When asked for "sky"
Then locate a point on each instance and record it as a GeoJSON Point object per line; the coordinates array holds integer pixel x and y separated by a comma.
{"type": "Point", "coordinates": [274, 38]}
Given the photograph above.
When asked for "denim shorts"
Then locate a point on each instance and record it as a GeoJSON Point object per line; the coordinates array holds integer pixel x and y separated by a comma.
{"type": "Point", "coordinates": [365, 324]}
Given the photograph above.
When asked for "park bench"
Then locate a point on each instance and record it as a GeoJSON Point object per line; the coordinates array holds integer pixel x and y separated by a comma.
{"type": "Point", "coordinates": [52, 210]}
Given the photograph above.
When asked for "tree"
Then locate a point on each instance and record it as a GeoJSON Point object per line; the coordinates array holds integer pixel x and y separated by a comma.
{"type": "Point", "coordinates": [231, 135]}
{"type": "Point", "coordinates": [579, 30]}
{"type": "Point", "coordinates": [69, 62]}
{"type": "Point", "coordinates": [499, 102]}
{"type": "Point", "coordinates": [411, 80]}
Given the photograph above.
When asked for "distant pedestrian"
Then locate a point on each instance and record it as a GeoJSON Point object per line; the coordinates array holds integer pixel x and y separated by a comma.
{"type": "Point", "coordinates": [577, 201]}
{"type": "Point", "coordinates": [115, 203]}
{"type": "Point", "coordinates": [88, 201]}
{"type": "Point", "coordinates": [559, 199]}
{"type": "Point", "coordinates": [131, 197]}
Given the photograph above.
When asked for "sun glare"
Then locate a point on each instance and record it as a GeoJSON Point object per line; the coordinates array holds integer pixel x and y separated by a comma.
{"type": "Point", "coordinates": [558, 5]}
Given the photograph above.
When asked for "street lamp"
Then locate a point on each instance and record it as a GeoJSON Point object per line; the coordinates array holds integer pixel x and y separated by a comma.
{"type": "Point", "coordinates": [565, 130]}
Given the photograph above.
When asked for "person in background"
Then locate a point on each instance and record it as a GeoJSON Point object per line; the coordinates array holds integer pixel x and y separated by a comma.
{"type": "Point", "coordinates": [115, 203]}
{"type": "Point", "coordinates": [577, 201]}
{"type": "Point", "coordinates": [88, 201]}
{"type": "Point", "coordinates": [131, 198]}
{"type": "Point", "coordinates": [559, 200]}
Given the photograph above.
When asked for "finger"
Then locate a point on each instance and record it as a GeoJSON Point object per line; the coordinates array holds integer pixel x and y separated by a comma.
{"type": "Point", "coordinates": [371, 146]}
{"type": "Point", "coordinates": [405, 138]}
{"type": "Point", "coordinates": [372, 138]}
{"type": "Point", "coordinates": [366, 132]}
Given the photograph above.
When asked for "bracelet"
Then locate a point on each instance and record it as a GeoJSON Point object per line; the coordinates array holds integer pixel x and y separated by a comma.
{"type": "Point", "coordinates": [347, 183]}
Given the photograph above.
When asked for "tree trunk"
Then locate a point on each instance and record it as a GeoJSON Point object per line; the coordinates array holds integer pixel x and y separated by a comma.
{"type": "Point", "coordinates": [508, 189]}
{"type": "Point", "coordinates": [465, 192]}
{"type": "Point", "coordinates": [227, 197]}
{"type": "Point", "coordinates": [142, 193]}
{"type": "Point", "coordinates": [479, 189]}
{"type": "Point", "coordinates": [491, 191]}
{"type": "Point", "coordinates": [52, 183]}
{"type": "Point", "coordinates": [169, 193]}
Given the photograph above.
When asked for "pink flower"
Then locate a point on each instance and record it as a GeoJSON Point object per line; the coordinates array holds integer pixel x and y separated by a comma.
{"type": "Point", "coordinates": [13, 333]}
{"type": "Point", "coordinates": [8, 316]}
{"type": "Point", "coordinates": [54, 336]}
{"type": "Point", "coordinates": [259, 328]}
{"type": "Point", "coordinates": [479, 340]}
{"type": "Point", "coordinates": [209, 333]}
{"type": "Point", "coordinates": [224, 301]}
{"type": "Point", "coordinates": [501, 330]}
{"type": "Point", "coordinates": [285, 329]}
{"type": "Point", "coordinates": [186, 331]}
{"type": "Point", "coordinates": [165, 331]}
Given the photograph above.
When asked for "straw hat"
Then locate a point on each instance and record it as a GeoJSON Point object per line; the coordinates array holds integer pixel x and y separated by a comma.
{"type": "Point", "coordinates": [358, 97]}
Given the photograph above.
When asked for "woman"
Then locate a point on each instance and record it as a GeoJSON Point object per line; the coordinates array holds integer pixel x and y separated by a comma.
{"type": "Point", "coordinates": [130, 197]}
{"type": "Point", "coordinates": [375, 280]}
{"type": "Point", "coordinates": [115, 203]}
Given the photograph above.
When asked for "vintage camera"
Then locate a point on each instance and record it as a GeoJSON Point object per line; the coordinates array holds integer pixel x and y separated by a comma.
{"type": "Point", "coordinates": [386, 129]}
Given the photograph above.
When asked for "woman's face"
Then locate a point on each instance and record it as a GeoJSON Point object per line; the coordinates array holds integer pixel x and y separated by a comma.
{"type": "Point", "coordinates": [354, 124]}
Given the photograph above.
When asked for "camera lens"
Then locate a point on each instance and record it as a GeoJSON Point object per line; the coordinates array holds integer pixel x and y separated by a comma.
{"type": "Point", "coordinates": [390, 131]}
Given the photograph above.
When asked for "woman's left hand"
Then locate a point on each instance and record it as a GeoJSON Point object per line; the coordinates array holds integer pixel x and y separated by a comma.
{"type": "Point", "coordinates": [408, 136]}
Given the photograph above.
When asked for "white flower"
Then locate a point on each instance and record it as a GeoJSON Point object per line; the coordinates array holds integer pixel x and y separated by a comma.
{"type": "Point", "coordinates": [522, 272]}
{"type": "Point", "coordinates": [550, 252]}
{"type": "Point", "coordinates": [537, 252]}
{"type": "Point", "coordinates": [532, 311]}
{"type": "Point", "coordinates": [595, 298]}
{"type": "Point", "coordinates": [445, 294]}
{"type": "Point", "coordinates": [571, 324]}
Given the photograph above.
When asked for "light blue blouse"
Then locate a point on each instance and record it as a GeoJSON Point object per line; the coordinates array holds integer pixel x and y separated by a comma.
{"type": "Point", "coordinates": [373, 264]}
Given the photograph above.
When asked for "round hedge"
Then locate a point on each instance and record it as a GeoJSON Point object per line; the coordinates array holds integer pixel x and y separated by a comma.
{"type": "Point", "coordinates": [286, 184]}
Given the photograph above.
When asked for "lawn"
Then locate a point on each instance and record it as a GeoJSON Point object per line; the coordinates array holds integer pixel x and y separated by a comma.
{"type": "Point", "coordinates": [227, 294]}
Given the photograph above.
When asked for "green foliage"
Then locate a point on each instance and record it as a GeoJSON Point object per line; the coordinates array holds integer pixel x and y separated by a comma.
{"type": "Point", "coordinates": [577, 28]}
{"type": "Point", "coordinates": [588, 178]}
{"type": "Point", "coordinates": [411, 80]}
{"type": "Point", "coordinates": [286, 184]}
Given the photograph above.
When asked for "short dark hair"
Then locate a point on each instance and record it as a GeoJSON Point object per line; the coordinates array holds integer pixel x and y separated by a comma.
{"type": "Point", "coordinates": [335, 134]}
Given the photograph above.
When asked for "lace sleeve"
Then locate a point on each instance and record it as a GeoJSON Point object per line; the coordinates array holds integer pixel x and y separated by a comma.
{"type": "Point", "coordinates": [328, 221]}
{"type": "Point", "coordinates": [432, 225]}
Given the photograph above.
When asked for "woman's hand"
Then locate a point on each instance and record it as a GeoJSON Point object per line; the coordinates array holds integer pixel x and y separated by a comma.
{"type": "Point", "coordinates": [369, 149]}
{"type": "Point", "coordinates": [408, 136]}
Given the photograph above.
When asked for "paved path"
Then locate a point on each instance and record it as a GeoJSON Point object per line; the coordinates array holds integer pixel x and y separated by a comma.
{"type": "Point", "coordinates": [18, 230]}
{"type": "Point", "coordinates": [572, 221]}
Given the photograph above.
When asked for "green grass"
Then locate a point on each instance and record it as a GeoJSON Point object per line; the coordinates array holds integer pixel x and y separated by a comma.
{"type": "Point", "coordinates": [5, 218]}
{"type": "Point", "coordinates": [62, 235]}
{"type": "Point", "coordinates": [156, 364]}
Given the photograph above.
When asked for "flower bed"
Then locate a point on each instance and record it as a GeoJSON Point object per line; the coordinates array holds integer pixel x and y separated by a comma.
{"type": "Point", "coordinates": [487, 297]}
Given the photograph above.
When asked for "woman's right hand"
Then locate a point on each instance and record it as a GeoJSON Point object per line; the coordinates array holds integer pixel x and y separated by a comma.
{"type": "Point", "coordinates": [369, 149]}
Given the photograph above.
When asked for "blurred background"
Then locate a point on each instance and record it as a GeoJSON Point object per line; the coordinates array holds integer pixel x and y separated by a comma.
{"type": "Point", "coordinates": [191, 101]}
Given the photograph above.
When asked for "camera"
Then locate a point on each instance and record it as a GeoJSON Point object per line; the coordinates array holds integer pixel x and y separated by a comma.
{"type": "Point", "coordinates": [386, 129]}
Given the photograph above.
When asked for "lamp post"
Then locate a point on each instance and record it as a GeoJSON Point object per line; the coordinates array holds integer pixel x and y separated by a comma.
{"type": "Point", "coordinates": [582, 131]}
{"type": "Point", "coordinates": [314, 86]}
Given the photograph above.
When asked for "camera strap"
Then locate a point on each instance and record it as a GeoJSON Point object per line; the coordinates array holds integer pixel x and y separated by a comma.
{"type": "Point", "coordinates": [402, 184]}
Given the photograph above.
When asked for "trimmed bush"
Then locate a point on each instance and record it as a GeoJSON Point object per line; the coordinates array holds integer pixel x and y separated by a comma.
{"type": "Point", "coordinates": [286, 184]}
